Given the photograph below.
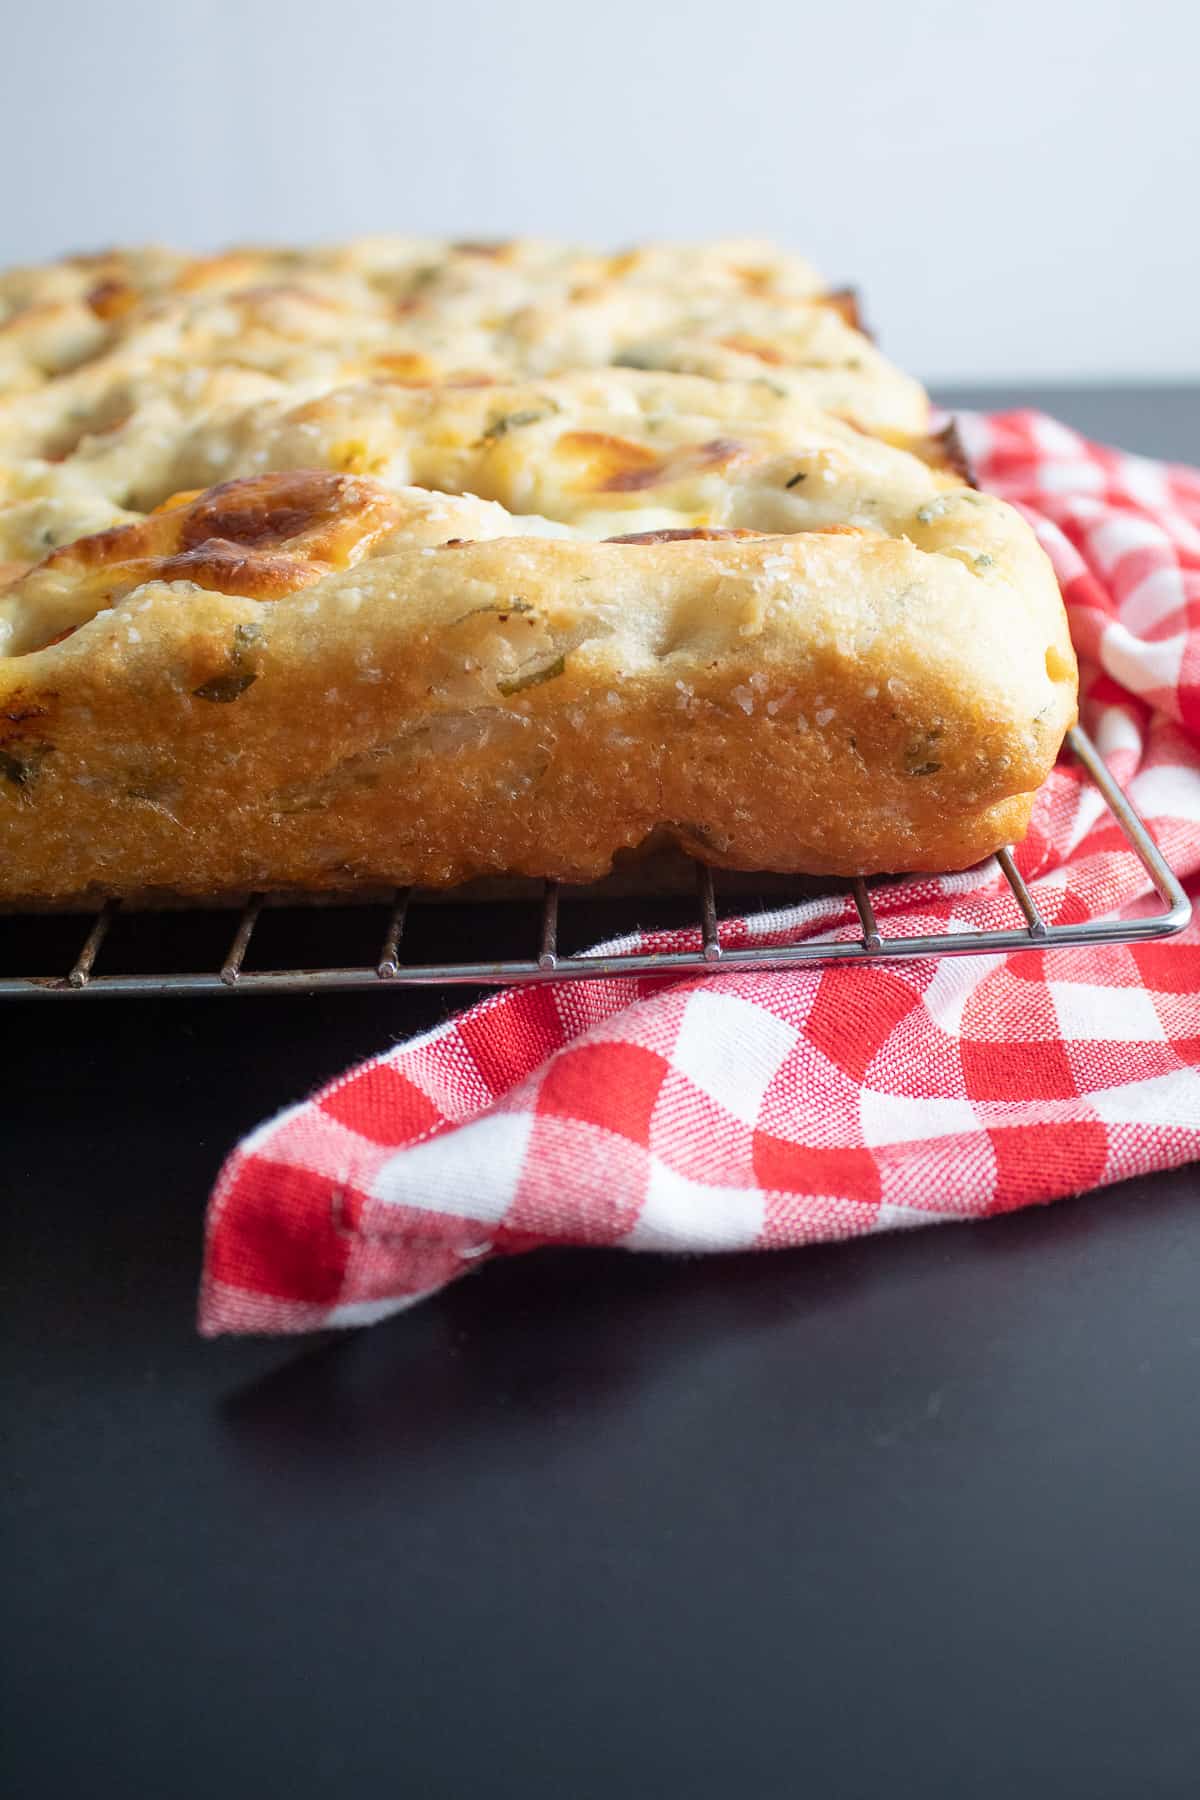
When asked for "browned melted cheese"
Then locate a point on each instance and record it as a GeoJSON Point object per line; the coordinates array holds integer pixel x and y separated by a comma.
{"type": "Point", "coordinates": [710, 533]}
{"type": "Point", "coordinates": [496, 250]}
{"type": "Point", "coordinates": [677, 534]}
{"type": "Point", "coordinates": [845, 302]}
{"type": "Point", "coordinates": [945, 449]}
{"type": "Point", "coordinates": [754, 281]}
{"type": "Point", "coordinates": [218, 272]}
{"type": "Point", "coordinates": [264, 537]}
{"type": "Point", "coordinates": [752, 346]}
{"type": "Point", "coordinates": [603, 463]}
{"type": "Point", "coordinates": [112, 298]}
{"type": "Point", "coordinates": [407, 368]}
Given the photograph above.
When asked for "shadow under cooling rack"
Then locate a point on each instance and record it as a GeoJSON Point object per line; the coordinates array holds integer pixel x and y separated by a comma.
{"type": "Point", "coordinates": [499, 942]}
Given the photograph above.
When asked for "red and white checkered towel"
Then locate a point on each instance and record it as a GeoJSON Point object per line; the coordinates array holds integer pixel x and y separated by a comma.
{"type": "Point", "coordinates": [754, 1110]}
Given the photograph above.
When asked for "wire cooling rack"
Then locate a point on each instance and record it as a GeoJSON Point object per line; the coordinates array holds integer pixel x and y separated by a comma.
{"type": "Point", "coordinates": [390, 966]}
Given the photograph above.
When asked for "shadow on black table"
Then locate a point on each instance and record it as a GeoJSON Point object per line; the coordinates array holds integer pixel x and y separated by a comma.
{"type": "Point", "coordinates": [513, 1344]}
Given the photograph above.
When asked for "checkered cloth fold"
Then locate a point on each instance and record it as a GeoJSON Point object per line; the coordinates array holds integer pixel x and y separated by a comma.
{"type": "Point", "coordinates": [755, 1110]}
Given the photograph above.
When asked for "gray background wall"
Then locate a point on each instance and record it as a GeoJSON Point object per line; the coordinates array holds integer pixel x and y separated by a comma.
{"type": "Point", "coordinates": [1015, 185]}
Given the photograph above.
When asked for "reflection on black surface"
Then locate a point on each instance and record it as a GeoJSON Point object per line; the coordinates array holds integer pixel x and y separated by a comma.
{"type": "Point", "coordinates": [567, 1339]}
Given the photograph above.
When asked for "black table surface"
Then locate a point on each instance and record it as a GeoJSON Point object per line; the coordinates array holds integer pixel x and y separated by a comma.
{"type": "Point", "coordinates": [917, 1515]}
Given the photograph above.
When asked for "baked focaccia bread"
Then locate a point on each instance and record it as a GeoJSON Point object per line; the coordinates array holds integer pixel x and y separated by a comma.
{"type": "Point", "coordinates": [418, 637]}
{"type": "Point", "coordinates": [420, 311]}
{"type": "Point", "coordinates": [613, 449]}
